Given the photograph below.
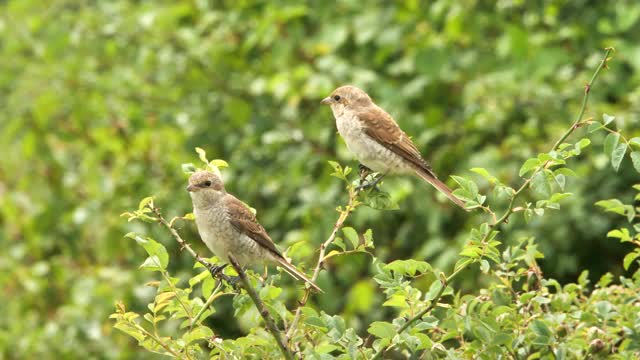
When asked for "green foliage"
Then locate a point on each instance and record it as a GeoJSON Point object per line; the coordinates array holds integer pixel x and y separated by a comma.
{"type": "Point", "coordinates": [104, 102]}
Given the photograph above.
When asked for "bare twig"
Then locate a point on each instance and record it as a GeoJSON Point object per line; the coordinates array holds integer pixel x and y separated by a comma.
{"type": "Point", "coordinates": [262, 309]}
{"type": "Point", "coordinates": [351, 205]}
{"type": "Point", "coordinates": [510, 208]}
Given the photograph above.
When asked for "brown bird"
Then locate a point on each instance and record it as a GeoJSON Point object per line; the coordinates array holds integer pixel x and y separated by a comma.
{"type": "Point", "coordinates": [376, 139]}
{"type": "Point", "coordinates": [228, 227]}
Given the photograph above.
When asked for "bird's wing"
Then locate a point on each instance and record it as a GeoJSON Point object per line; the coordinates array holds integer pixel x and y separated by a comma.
{"type": "Point", "coordinates": [246, 223]}
{"type": "Point", "coordinates": [381, 127]}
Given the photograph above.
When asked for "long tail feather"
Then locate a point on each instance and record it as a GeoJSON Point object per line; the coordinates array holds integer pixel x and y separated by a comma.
{"type": "Point", "coordinates": [297, 274]}
{"type": "Point", "coordinates": [426, 176]}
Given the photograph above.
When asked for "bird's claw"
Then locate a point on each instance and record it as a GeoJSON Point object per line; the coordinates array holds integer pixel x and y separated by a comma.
{"type": "Point", "coordinates": [369, 184]}
{"type": "Point", "coordinates": [215, 269]}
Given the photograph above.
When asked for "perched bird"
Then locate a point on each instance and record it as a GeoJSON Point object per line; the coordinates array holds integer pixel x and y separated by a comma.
{"type": "Point", "coordinates": [227, 226]}
{"type": "Point", "coordinates": [376, 139]}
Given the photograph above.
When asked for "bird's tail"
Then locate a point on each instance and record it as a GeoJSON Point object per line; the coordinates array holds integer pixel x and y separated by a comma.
{"type": "Point", "coordinates": [291, 270]}
{"type": "Point", "coordinates": [428, 177]}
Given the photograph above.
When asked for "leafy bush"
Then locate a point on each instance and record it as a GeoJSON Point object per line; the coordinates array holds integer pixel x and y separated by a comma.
{"type": "Point", "coordinates": [519, 314]}
{"type": "Point", "coordinates": [102, 102]}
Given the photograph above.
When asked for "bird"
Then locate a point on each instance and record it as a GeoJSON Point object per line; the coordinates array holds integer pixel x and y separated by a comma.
{"type": "Point", "coordinates": [377, 141]}
{"type": "Point", "coordinates": [228, 227]}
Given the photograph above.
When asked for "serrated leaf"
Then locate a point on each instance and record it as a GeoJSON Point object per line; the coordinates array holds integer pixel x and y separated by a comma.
{"type": "Point", "coordinates": [635, 141]}
{"type": "Point", "coordinates": [382, 329]}
{"type": "Point", "coordinates": [202, 155]}
{"type": "Point", "coordinates": [635, 158]}
{"type": "Point", "coordinates": [560, 180]}
{"type": "Point", "coordinates": [144, 202]}
{"type": "Point", "coordinates": [629, 258]}
{"type": "Point", "coordinates": [351, 235]}
{"type": "Point", "coordinates": [594, 126]}
{"type": "Point", "coordinates": [528, 165]}
{"type": "Point", "coordinates": [434, 289]}
{"type": "Point", "coordinates": [583, 143]}
{"type": "Point", "coordinates": [408, 267]}
{"type": "Point", "coordinates": [610, 143]}
{"type": "Point", "coordinates": [565, 172]}
{"type": "Point", "coordinates": [219, 163]}
{"type": "Point", "coordinates": [158, 255]}
{"type": "Point", "coordinates": [540, 328]}
{"type": "Point", "coordinates": [618, 155]}
{"type": "Point", "coordinates": [396, 300]}
{"type": "Point", "coordinates": [188, 168]}
{"type": "Point", "coordinates": [607, 119]}
{"type": "Point", "coordinates": [540, 185]}
{"type": "Point", "coordinates": [198, 333]}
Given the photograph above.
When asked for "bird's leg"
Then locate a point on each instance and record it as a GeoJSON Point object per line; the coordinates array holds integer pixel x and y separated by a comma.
{"type": "Point", "coordinates": [364, 172]}
{"type": "Point", "coordinates": [371, 184]}
{"type": "Point", "coordinates": [215, 269]}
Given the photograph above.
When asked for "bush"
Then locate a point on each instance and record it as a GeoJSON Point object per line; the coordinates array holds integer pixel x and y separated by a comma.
{"type": "Point", "coordinates": [102, 103]}
{"type": "Point", "coordinates": [519, 314]}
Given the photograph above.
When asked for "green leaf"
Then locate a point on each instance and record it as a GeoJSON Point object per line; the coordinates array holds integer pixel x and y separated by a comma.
{"type": "Point", "coordinates": [218, 163]}
{"type": "Point", "coordinates": [540, 185]}
{"type": "Point", "coordinates": [635, 141]}
{"type": "Point", "coordinates": [607, 119]}
{"type": "Point", "coordinates": [610, 143]}
{"type": "Point", "coordinates": [560, 180]}
{"type": "Point", "coordinates": [612, 205]}
{"type": "Point", "coordinates": [158, 256]}
{"type": "Point", "coordinates": [594, 126]}
{"type": "Point", "coordinates": [629, 258]}
{"type": "Point", "coordinates": [144, 202]}
{"type": "Point", "coordinates": [470, 189]}
{"type": "Point", "coordinates": [382, 329]}
{"type": "Point", "coordinates": [352, 236]}
{"type": "Point", "coordinates": [540, 328]}
{"type": "Point", "coordinates": [618, 155]}
{"type": "Point", "coordinates": [198, 333]}
{"type": "Point", "coordinates": [635, 158]}
{"type": "Point", "coordinates": [529, 165]}
{"type": "Point", "coordinates": [396, 300]}
{"type": "Point", "coordinates": [188, 168]}
{"type": "Point", "coordinates": [408, 267]}
{"type": "Point", "coordinates": [434, 289]}
{"type": "Point", "coordinates": [565, 172]}
{"type": "Point", "coordinates": [202, 155]}
{"type": "Point", "coordinates": [622, 234]}
{"type": "Point", "coordinates": [583, 143]}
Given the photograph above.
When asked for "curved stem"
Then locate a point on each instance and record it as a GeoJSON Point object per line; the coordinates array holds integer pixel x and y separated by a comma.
{"type": "Point", "coordinates": [262, 309]}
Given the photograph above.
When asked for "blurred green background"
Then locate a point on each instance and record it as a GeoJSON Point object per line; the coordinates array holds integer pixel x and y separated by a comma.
{"type": "Point", "coordinates": [102, 101]}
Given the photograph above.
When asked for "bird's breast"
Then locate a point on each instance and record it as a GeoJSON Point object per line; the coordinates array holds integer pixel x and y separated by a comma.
{"type": "Point", "coordinates": [369, 152]}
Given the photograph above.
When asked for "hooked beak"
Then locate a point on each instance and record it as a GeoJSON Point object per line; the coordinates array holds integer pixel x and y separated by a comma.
{"type": "Point", "coordinates": [191, 188]}
{"type": "Point", "coordinates": [326, 101]}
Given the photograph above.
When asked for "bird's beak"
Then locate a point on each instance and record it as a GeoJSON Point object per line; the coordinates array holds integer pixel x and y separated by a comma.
{"type": "Point", "coordinates": [326, 101]}
{"type": "Point", "coordinates": [191, 188]}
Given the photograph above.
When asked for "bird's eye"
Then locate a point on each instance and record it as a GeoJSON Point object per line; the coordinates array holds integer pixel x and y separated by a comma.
{"type": "Point", "coordinates": [336, 98]}
{"type": "Point", "coordinates": [207, 183]}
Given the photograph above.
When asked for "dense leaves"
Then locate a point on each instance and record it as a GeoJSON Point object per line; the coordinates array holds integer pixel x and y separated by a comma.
{"type": "Point", "coordinates": [103, 103]}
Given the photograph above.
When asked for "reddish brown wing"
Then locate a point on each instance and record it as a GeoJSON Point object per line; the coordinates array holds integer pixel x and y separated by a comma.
{"type": "Point", "coordinates": [245, 222]}
{"type": "Point", "coordinates": [381, 127]}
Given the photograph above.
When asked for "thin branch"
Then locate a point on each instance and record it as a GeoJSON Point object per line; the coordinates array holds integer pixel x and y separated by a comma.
{"type": "Point", "coordinates": [262, 309]}
{"type": "Point", "coordinates": [351, 205]}
{"type": "Point", "coordinates": [570, 130]}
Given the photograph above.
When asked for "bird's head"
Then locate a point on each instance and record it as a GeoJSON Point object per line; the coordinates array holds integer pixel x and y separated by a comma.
{"type": "Point", "coordinates": [205, 187]}
{"type": "Point", "coordinates": [347, 97]}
